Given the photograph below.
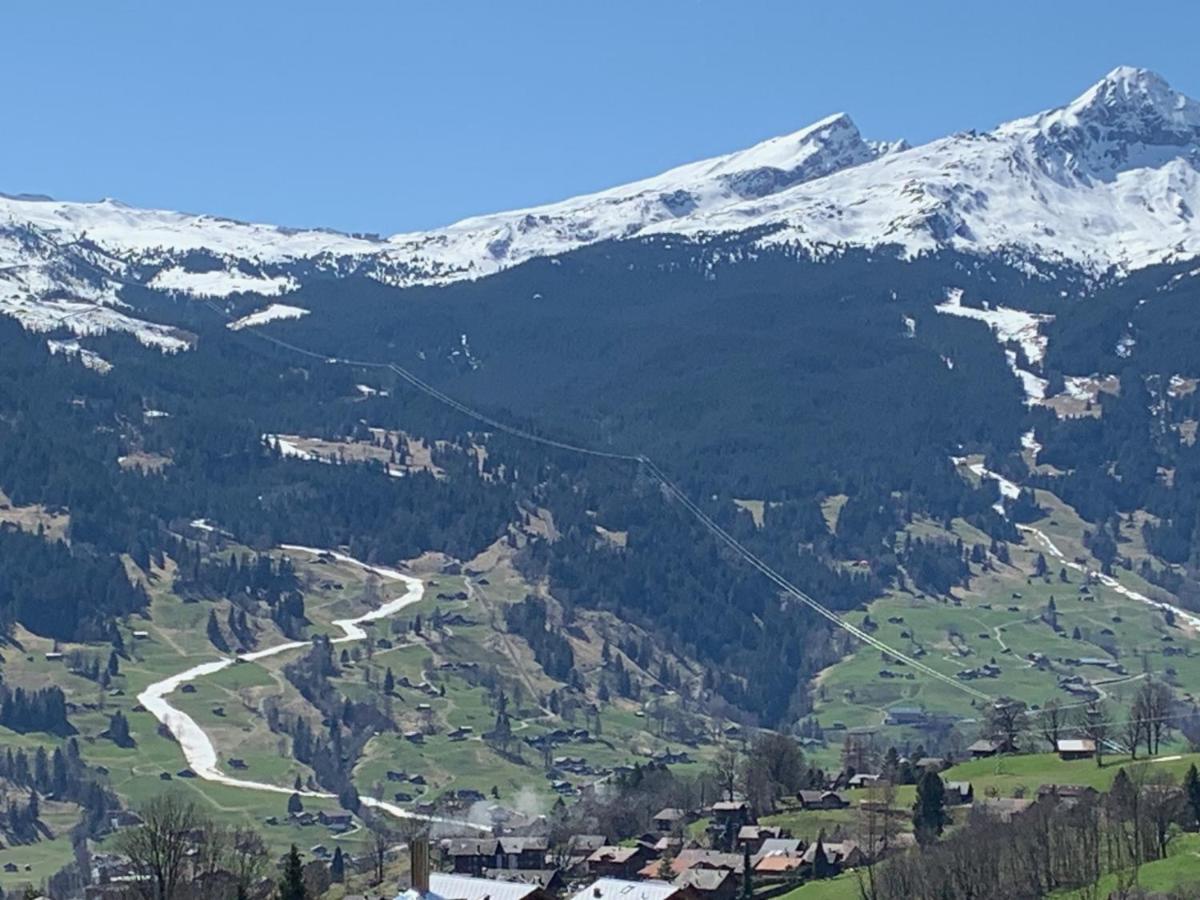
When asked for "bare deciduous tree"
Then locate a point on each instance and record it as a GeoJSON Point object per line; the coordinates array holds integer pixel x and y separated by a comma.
{"type": "Point", "coordinates": [1095, 726]}
{"type": "Point", "coordinates": [725, 767]}
{"type": "Point", "coordinates": [158, 848]}
{"type": "Point", "coordinates": [1053, 720]}
{"type": "Point", "coordinates": [1006, 721]}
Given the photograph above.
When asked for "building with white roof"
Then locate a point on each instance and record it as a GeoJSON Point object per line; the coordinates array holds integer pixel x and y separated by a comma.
{"type": "Point", "coordinates": [618, 889]}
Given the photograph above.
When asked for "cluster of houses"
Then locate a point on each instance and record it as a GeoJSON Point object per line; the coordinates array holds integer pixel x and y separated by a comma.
{"type": "Point", "coordinates": [665, 865]}
{"type": "Point", "coordinates": [661, 864]}
{"type": "Point", "coordinates": [987, 670]}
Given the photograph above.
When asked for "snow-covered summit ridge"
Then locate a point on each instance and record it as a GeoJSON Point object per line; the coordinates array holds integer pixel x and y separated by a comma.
{"type": "Point", "coordinates": [484, 244]}
{"type": "Point", "coordinates": [115, 244]}
{"type": "Point", "coordinates": [1109, 180]}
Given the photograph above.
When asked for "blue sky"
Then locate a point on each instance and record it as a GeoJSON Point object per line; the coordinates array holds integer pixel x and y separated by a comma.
{"type": "Point", "coordinates": [390, 116]}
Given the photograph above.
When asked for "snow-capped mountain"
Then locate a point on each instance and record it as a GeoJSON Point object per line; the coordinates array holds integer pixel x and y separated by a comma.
{"type": "Point", "coordinates": [151, 245]}
{"type": "Point", "coordinates": [1109, 180]}
{"type": "Point", "coordinates": [664, 203]}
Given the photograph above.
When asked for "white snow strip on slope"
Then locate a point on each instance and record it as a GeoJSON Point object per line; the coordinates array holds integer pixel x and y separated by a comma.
{"type": "Point", "coordinates": [1108, 581]}
{"type": "Point", "coordinates": [1006, 323]}
{"type": "Point", "coordinates": [288, 447]}
{"type": "Point", "coordinates": [271, 313]}
{"type": "Point", "coordinates": [1034, 385]}
{"type": "Point", "coordinates": [1029, 442]}
{"type": "Point", "coordinates": [89, 358]}
{"type": "Point", "coordinates": [196, 745]}
{"type": "Point", "coordinates": [1008, 490]}
{"type": "Point", "coordinates": [221, 283]}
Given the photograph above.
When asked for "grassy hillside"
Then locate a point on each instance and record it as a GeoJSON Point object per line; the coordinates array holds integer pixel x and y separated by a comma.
{"type": "Point", "coordinates": [446, 677]}
{"type": "Point", "coordinates": [1012, 776]}
{"type": "Point", "coordinates": [1179, 870]}
{"type": "Point", "coordinates": [1002, 619]}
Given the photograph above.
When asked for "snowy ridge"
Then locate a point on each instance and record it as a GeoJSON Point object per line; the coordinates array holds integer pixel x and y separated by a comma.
{"type": "Point", "coordinates": [1110, 180]}
{"type": "Point", "coordinates": [1107, 182]}
{"type": "Point", "coordinates": [665, 203]}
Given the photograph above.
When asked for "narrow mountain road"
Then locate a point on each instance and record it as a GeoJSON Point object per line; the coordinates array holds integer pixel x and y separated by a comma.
{"type": "Point", "coordinates": [198, 748]}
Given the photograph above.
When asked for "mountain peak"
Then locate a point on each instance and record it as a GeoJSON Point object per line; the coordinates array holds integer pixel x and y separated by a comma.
{"type": "Point", "coordinates": [1133, 78]}
{"type": "Point", "coordinates": [1141, 92]}
{"type": "Point", "coordinates": [1129, 119]}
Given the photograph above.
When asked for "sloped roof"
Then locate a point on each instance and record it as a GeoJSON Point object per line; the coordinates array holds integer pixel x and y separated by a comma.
{"type": "Point", "coordinates": [461, 887]}
{"type": "Point", "coordinates": [779, 863]}
{"type": "Point", "coordinates": [614, 854]}
{"type": "Point", "coordinates": [777, 846]}
{"type": "Point", "coordinates": [619, 889]}
{"type": "Point", "coordinates": [1076, 745]}
{"type": "Point", "coordinates": [703, 879]}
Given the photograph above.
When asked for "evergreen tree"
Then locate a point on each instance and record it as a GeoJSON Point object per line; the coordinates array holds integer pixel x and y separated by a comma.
{"type": "Point", "coordinates": [337, 867]}
{"type": "Point", "coordinates": [295, 804]}
{"type": "Point", "coordinates": [291, 886]}
{"type": "Point", "coordinates": [118, 730]}
{"type": "Point", "coordinates": [215, 637]}
{"type": "Point", "coordinates": [389, 681]}
{"type": "Point", "coordinates": [929, 816]}
{"type": "Point", "coordinates": [1191, 792]}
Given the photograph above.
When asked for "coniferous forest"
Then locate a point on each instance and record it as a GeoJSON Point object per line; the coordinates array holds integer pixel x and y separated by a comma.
{"type": "Point", "coordinates": [768, 381]}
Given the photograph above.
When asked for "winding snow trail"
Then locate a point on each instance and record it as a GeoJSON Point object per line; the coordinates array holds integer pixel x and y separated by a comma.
{"type": "Point", "coordinates": [198, 749]}
{"type": "Point", "coordinates": [1108, 581]}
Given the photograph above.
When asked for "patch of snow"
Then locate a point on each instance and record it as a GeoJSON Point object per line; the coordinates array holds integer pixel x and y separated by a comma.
{"type": "Point", "coordinates": [1080, 387]}
{"type": "Point", "coordinates": [1009, 325]}
{"type": "Point", "coordinates": [1029, 443]}
{"type": "Point", "coordinates": [288, 447]}
{"type": "Point", "coordinates": [1008, 489]}
{"type": "Point", "coordinates": [465, 352]}
{"type": "Point", "coordinates": [270, 313]}
{"type": "Point", "coordinates": [1108, 581]}
{"type": "Point", "coordinates": [1033, 385]}
{"type": "Point", "coordinates": [89, 358]}
{"type": "Point", "coordinates": [221, 283]}
{"type": "Point", "coordinates": [1181, 386]}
